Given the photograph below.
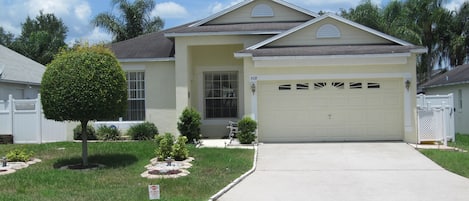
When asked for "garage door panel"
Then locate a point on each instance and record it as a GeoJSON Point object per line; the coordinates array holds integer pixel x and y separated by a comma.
{"type": "Point", "coordinates": [331, 113]}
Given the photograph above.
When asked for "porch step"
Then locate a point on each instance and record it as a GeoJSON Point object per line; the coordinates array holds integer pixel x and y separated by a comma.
{"type": "Point", "coordinates": [6, 139]}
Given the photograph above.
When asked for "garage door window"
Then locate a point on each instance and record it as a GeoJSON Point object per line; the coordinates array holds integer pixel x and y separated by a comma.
{"type": "Point", "coordinates": [338, 85]}
{"type": "Point", "coordinates": [372, 85]}
{"type": "Point", "coordinates": [355, 85]}
{"type": "Point", "coordinates": [319, 85]}
{"type": "Point", "coordinates": [221, 94]}
{"type": "Point", "coordinates": [284, 87]}
{"type": "Point", "coordinates": [304, 86]}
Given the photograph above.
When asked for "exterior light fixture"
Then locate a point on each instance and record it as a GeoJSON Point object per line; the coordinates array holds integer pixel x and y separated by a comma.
{"type": "Point", "coordinates": [253, 87]}
{"type": "Point", "coordinates": [407, 84]}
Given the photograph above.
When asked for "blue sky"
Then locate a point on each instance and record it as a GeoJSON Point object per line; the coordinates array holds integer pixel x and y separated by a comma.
{"type": "Point", "coordinates": [77, 14]}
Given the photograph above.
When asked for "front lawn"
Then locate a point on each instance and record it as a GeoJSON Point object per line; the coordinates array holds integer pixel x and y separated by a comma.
{"type": "Point", "coordinates": [212, 170]}
{"type": "Point", "coordinates": [454, 161]}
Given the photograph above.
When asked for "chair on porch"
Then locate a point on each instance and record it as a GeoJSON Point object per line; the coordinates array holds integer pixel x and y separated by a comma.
{"type": "Point", "coordinates": [233, 126]}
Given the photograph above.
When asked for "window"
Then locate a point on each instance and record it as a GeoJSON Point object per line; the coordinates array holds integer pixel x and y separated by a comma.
{"type": "Point", "coordinates": [319, 85]}
{"type": "Point", "coordinates": [338, 85]}
{"type": "Point", "coordinates": [373, 85]}
{"type": "Point", "coordinates": [262, 10]}
{"type": "Point", "coordinates": [328, 31]}
{"type": "Point", "coordinates": [355, 85]}
{"type": "Point", "coordinates": [304, 86]}
{"type": "Point", "coordinates": [136, 96]}
{"type": "Point", "coordinates": [284, 87]}
{"type": "Point", "coordinates": [221, 94]}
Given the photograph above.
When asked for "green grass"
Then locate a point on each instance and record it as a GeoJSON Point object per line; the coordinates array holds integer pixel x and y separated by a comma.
{"type": "Point", "coordinates": [120, 179]}
{"type": "Point", "coordinates": [454, 161]}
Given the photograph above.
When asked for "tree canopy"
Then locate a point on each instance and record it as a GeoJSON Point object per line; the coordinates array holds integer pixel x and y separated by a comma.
{"type": "Point", "coordinates": [134, 19]}
{"type": "Point", "coordinates": [6, 38]}
{"type": "Point", "coordinates": [41, 38]}
{"type": "Point", "coordinates": [84, 84]}
{"type": "Point", "coordinates": [422, 22]}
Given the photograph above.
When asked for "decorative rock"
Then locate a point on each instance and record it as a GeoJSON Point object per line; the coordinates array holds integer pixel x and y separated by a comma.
{"type": "Point", "coordinates": [162, 166]}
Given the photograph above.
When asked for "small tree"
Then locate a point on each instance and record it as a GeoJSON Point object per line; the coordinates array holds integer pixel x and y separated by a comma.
{"type": "Point", "coordinates": [189, 124]}
{"type": "Point", "coordinates": [247, 130]}
{"type": "Point", "coordinates": [84, 84]}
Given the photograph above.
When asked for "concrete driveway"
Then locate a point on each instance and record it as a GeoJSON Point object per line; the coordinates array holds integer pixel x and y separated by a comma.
{"type": "Point", "coordinates": [347, 171]}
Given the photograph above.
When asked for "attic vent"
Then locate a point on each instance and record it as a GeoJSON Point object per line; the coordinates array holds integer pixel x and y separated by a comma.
{"type": "Point", "coordinates": [328, 31]}
{"type": "Point", "coordinates": [262, 10]}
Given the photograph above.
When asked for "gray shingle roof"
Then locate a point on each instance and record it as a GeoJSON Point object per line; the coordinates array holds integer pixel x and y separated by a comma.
{"type": "Point", "coordinates": [17, 68]}
{"type": "Point", "coordinates": [330, 50]}
{"type": "Point", "coordinates": [243, 27]}
{"type": "Point", "coordinates": [458, 75]}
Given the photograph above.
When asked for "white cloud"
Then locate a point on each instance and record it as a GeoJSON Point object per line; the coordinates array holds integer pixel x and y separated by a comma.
{"type": "Point", "coordinates": [83, 11]}
{"type": "Point", "coordinates": [217, 6]}
{"type": "Point", "coordinates": [170, 10]}
{"type": "Point", "coordinates": [93, 37]}
{"type": "Point", "coordinates": [454, 5]}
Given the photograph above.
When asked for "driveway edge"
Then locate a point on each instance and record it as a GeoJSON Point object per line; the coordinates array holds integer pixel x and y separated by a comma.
{"type": "Point", "coordinates": [239, 179]}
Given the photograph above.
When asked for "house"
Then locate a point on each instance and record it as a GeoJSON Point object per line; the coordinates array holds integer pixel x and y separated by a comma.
{"type": "Point", "coordinates": [19, 75]}
{"type": "Point", "coordinates": [455, 81]}
{"type": "Point", "coordinates": [302, 76]}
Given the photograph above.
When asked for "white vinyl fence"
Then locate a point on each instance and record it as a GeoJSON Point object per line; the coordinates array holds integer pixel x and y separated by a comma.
{"type": "Point", "coordinates": [435, 118]}
{"type": "Point", "coordinates": [25, 120]}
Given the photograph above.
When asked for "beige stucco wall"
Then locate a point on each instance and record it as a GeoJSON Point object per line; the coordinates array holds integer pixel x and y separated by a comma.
{"type": "Point", "coordinates": [461, 117]}
{"type": "Point", "coordinates": [160, 94]}
{"type": "Point", "coordinates": [243, 14]}
{"type": "Point", "coordinates": [349, 36]}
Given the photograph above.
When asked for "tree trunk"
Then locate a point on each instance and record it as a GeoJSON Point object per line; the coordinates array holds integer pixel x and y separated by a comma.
{"type": "Point", "coordinates": [84, 143]}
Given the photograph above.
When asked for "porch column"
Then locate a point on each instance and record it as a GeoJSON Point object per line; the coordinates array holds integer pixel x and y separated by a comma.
{"type": "Point", "coordinates": [182, 80]}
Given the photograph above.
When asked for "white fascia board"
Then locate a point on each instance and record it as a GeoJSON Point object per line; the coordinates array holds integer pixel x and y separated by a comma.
{"type": "Point", "coordinates": [286, 33]}
{"type": "Point", "coordinates": [221, 13]}
{"type": "Point", "coordinates": [297, 8]}
{"type": "Point", "coordinates": [446, 85]}
{"type": "Point", "coordinates": [226, 33]}
{"type": "Point", "coordinates": [242, 55]}
{"type": "Point", "coordinates": [146, 60]}
{"type": "Point", "coordinates": [332, 56]}
{"type": "Point", "coordinates": [284, 77]}
{"type": "Point", "coordinates": [419, 51]}
{"type": "Point", "coordinates": [19, 82]}
{"type": "Point", "coordinates": [332, 60]}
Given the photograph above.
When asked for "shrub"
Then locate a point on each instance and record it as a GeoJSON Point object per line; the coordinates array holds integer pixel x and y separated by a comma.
{"type": "Point", "coordinates": [19, 155]}
{"type": "Point", "coordinates": [89, 131]}
{"type": "Point", "coordinates": [180, 151]}
{"type": "Point", "coordinates": [164, 146]}
{"type": "Point", "coordinates": [143, 131]}
{"type": "Point", "coordinates": [108, 133]}
{"type": "Point", "coordinates": [189, 124]}
{"type": "Point", "coordinates": [246, 130]}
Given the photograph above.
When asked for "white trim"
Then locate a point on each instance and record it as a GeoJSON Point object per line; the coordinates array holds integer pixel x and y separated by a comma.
{"type": "Point", "coordinates": [332, 76]}
{"type": "Point", "coordinates": [133, 68]}
{"type": "Point", "coordinates": [246, 2]}
{"type": "Point", "coordinates": [331, 60]}
{"type": "Point", "coordinates": [328, 31]}
{"type": "Point", "coordinates": [132, 60]}
{"type": "Point", "coordinates": [262, 10]}
{"type": "Point", "coordinates": [338, 18]}
{"type": "Point", "coordinates": [170, 35]}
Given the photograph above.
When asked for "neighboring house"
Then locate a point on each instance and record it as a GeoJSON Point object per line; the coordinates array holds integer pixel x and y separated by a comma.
{"type": "Point", "coordinates": [302, 76]}
{"type": "Point", "coordinates": [456, 82]}
{"type": "Point", "coordinates": [19, 75]}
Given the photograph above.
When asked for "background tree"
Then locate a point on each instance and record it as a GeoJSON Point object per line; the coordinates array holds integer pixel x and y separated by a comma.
{"type": "Point", "coordinates": [135, 19]}
{"type": "Point", "coordinates": [84, 84]}
{"type": "Point", "coordinates": [41, 38]}
{"type": "Point", "coordinates": [6, 38]}
{"type": "Point", "coordinates": [422, 22]}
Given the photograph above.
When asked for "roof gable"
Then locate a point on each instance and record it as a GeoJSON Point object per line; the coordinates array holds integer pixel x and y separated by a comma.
{"type": "Point", "coordinates": [17, 68]}
{"type": "Point", "coordinates": [350, 33]}
{"type": "Point", "coordinates": [255, 11]}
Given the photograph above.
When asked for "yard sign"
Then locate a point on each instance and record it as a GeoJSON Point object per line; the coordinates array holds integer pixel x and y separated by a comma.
{"type": "Point", "coordinates": [154, 192]}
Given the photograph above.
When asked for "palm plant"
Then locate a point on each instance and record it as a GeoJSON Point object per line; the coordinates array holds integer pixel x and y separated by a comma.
{"type": "Point", "coordinates": [134, 19]}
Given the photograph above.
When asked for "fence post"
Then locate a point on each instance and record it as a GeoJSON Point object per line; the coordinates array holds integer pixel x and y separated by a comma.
{"type": "Point", "coordinates": [39, 117]}
{"type": "Point", "coordinates": [10, 115]}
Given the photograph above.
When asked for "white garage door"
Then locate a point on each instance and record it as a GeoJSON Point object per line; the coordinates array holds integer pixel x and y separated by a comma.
{"type": "Point", "coordinates": [330, 110]}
